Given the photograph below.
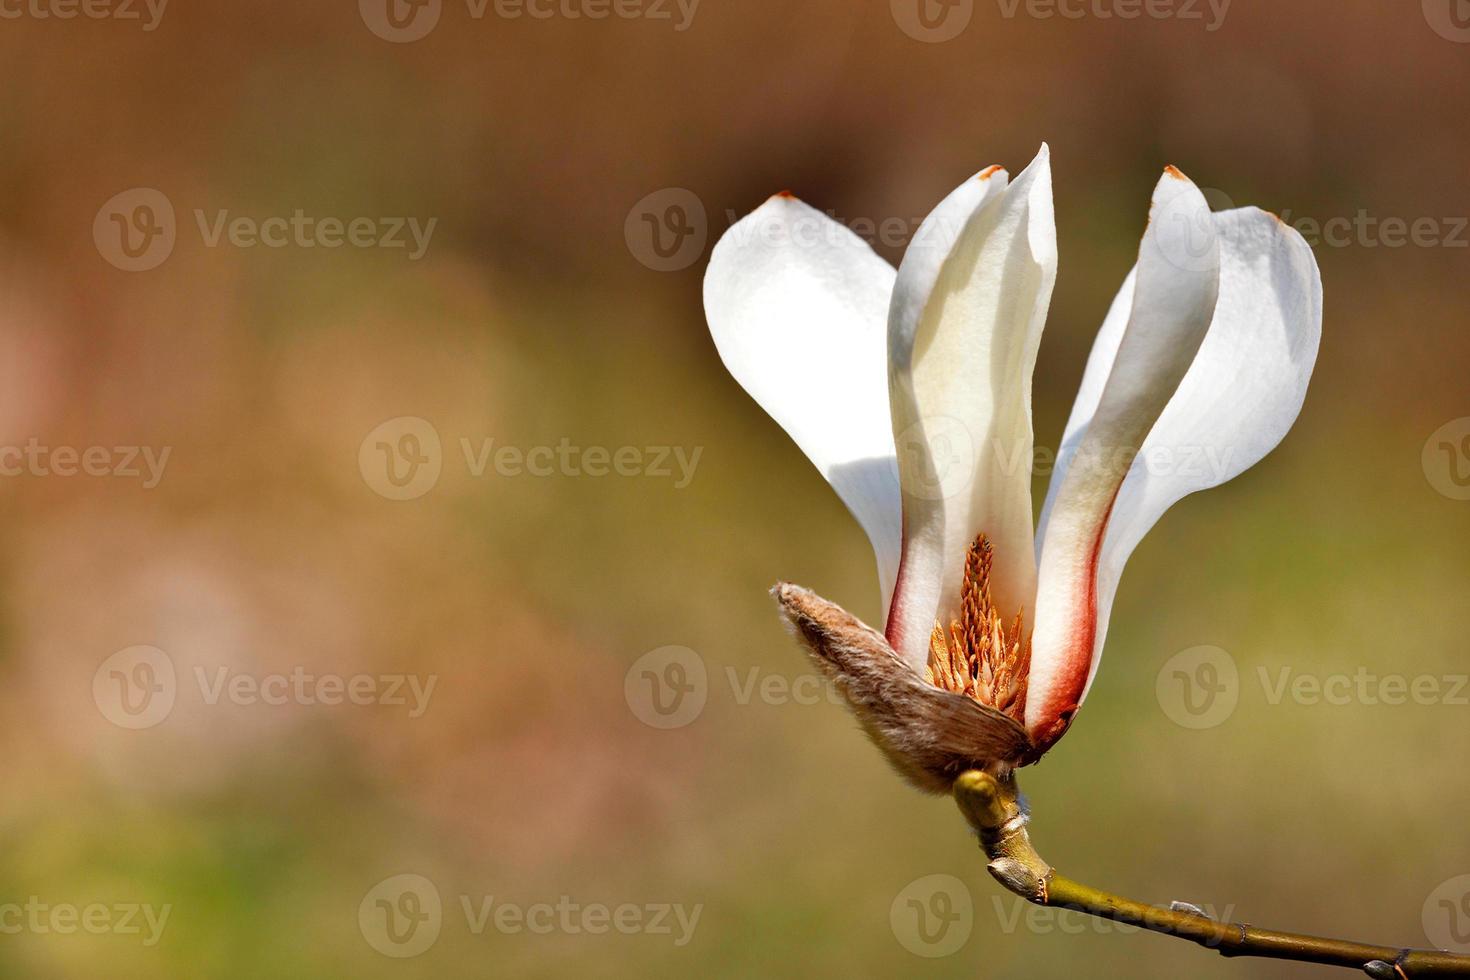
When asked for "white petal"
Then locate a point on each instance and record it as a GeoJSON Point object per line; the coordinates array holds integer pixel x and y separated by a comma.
{"type": "Point", "coordinates": [797, 305]}
{"type": "Point", "coordinates": [1173, 299]}
{"type": "Point", "coordinates": [966, 321]}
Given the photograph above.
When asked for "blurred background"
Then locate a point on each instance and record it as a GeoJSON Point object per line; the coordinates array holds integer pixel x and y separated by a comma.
{"type": "Point", "coordinates": [385, 550]}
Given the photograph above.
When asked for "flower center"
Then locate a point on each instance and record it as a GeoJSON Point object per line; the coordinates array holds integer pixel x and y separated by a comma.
{"type": "Point", "coordinates": [977, 655]}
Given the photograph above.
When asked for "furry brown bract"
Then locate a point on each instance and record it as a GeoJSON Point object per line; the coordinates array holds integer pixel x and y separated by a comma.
{"type": "Point", "coordinates": [929, 735]}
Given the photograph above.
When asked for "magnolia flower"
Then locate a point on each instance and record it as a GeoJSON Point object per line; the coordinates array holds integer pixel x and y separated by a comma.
{"type": "Point", "coordinates": [911, 392]}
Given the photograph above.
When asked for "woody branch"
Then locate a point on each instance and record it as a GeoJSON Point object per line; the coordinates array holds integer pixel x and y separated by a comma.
{"type": "Point", "coordinates": [993, 808]}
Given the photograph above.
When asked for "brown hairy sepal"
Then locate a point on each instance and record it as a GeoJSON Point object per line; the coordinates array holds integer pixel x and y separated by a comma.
{"type": "Point", "coordinates": [929, 735]}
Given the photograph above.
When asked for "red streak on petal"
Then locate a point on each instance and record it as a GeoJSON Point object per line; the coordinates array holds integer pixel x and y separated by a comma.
{"type": "Point", "coordinates": [893, 631]}
{"type": "Point", "coordinates": [1067, 697]}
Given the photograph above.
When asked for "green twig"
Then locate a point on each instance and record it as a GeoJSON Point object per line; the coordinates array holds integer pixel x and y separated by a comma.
{"type": "Point", "coordinates": [992, 806]}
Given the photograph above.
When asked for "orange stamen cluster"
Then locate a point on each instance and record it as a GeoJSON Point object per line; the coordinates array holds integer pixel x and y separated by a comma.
{"type": "Point", "coordinates": [977, 656]}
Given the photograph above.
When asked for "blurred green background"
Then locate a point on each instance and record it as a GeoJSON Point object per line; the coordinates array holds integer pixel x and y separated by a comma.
{"type": "Point", "coordinates": [536, 314]}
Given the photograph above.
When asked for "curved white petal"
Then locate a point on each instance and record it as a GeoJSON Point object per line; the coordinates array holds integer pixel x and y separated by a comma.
{"type": "Point", "coordinates": [966, 320]}
{"type": "Point", "coordinates": [1173, 300]}
{"type": "Point", "coordinates": [797, 305]}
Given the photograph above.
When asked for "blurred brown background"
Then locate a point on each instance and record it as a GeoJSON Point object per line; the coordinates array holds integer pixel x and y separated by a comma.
{"type": "Point", "coordinates": [271, 828]}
